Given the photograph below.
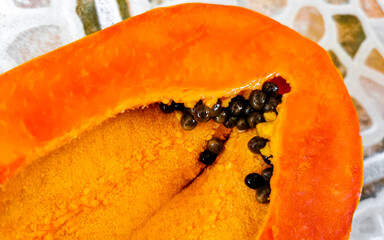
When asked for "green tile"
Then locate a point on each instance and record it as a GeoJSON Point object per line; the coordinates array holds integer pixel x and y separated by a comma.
{"type": "Point", "coordinates": [338, 63]}
{"type": "Point", "coordinates": [337, 1]}
{"type": "Point", "coordinates": [124, 8]}
{"type": "Point", "coordinates": [86, 10]}
{"type": "Point", "coordinates": [350, 33]}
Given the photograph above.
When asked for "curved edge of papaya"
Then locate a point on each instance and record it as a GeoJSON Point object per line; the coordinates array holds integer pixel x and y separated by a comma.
{"type": "Point", "coordinates": [126, 67]}
{"type": "Point", "coordinates": [95, 83]}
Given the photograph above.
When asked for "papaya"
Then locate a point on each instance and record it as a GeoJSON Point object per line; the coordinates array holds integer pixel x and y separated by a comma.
{"type": "Point", "coordinates": [194, 121]}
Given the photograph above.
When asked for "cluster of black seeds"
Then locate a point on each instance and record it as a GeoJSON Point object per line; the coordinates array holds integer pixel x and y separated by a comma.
{"type": "Point", "coordinates": [214, 147]}
{"type": "Point", "coordinates": [260, 182]}
{"type": "Point", "coordinates": [255, 180]}
{"type": "Point", "coordinates": [240, 113]}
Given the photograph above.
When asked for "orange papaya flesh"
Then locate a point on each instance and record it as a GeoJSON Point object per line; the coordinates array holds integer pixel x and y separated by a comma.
{"type": "Point", "coordinates": [208, 52]}
{"type": "Point", "coordinates": [218, 205]}
{"type": "Point", "coordinates": [108, 181]}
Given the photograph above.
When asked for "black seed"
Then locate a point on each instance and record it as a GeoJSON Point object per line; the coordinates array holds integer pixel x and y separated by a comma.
{"type": "Point", "coordinates": [248, 110]}
{"type": "Point", "coordinates": [267, 173]}
{"type": "Point", "coordinates": [262, 194]}
{"type": "Point", "coordinates": [179, 106]}
{"type": "Point", "coordinates": [216, 109]}
{"type": "Point", "coordinates": [269, 107]}
{"type": "Point", "coordinates": [215, 145]}
{"type": "Point", "coordinates": [254, 118]}
{"type": "Point", "coordinates": [266, 159]}
{"type": "Point", "coordinates": [188, 110]}
{"type": "Point", "coordinates": [242, 124]}
{"type": "Point", "coordinates": [279, 98]}
{"type": "Point", "coordinates": [207, 157]}
{"type": "Point", "coordinates": [198, 103]}
{"type": "Point", "coordinates": [254, 180]}
{"type": "Point", "coordinates": [237, 105]}
{"type": "Point", "coordinates": [202, 113]}
{"type": "Point", "coordinates": [271, 104]}
{"type": "Point", "coordinates": [257, 99]}
{"type": "Point", "coordinates": [167, 108]}
{"type": "Point", "coordinates": [222, 117]}
{"type": "Point", "coordinates": [257, 143]}
{"type": "Point", "coordinates": [192, 110]}
{"type": "Point", "coordinates": [231, 122]}
{"type": "Point", "coordinates": [188, 122]}
{"type": "Point", "coordinates": [273, 101]}
{"type": "Point", "coordinates": [271, 89]}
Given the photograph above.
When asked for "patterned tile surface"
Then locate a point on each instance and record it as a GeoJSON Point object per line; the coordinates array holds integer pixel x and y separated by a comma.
{"type": "Point", "coordinates": [352, 31]}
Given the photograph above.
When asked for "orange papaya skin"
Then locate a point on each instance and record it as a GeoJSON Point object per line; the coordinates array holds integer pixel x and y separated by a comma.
{"type": "Point", "coordinates": [190, 52]}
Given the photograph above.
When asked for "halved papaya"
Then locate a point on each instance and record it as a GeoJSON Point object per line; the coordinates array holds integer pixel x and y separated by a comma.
{"type": "Point", "coordinates": [96, 158]}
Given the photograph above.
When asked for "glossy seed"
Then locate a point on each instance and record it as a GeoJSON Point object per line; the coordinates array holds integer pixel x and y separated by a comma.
{"type": "Point", "coordinates": [254, 118]}
{"type": "Point", "coordinates": [254, 181]}
{"type": "Point", "coordinates": [179, 106]}
{"type": "Point", "coordinates": [199, 103]}
{"type": "Point", "coordinates": [256, 143]}
{"type": "Point", "coordinates": [216, 109]}
{"type": "Point", "coordinates": [231, 122]}
{"type": "Point", "coordinates": [222, 117]}
{"type": "Point", "coordinates": [248, 110]}
{"type": "Point", "coordinates": [207, 157]}
{"type": "Point", "coordinates": [242, 124]}
{"type": "Point", "coordinates": [262, 194]}
{"type": "Point", "coordinates": [266, 159]}
{"type": "Point", "coordinates": [273, 101]}
{"type": "Point", "coordinates": [167, 108]}
{"type": "Point", "coordinates": [237, 105]}
{"type": "Point", "coordinates": [269, 107]}
{"type": "Point", "coordinates": [271, 89]}
{"type": "Point", "coordinates": [202, 113]}
{"type": "Point", "coordinates": [192, 110]}
{"type": "Point", "coordinates": [188, 122]}
{"type": "Point", "coordinates": [188, 110]}
{"type": "Point", "coordinates": [267, 173]}
{"type": "Point", "coordinates": [215, 145]}
{"type": "Point", "coordinates": [257, 99]}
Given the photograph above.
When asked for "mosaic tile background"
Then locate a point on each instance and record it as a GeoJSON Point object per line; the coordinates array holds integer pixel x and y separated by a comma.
{"type": "Point", "coordinates": [352, 31]}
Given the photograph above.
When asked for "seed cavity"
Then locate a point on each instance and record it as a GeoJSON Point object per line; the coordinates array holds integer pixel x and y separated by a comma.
{"type": "Point", "coordinates": [258, 111]}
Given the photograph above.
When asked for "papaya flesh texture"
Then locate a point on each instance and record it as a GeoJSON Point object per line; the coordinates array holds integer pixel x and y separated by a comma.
{"type": "Point", "coordinates": [97, 159]}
